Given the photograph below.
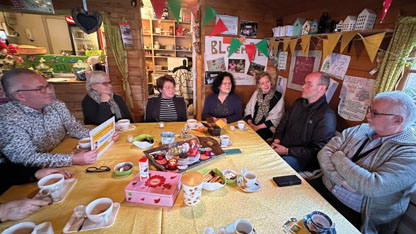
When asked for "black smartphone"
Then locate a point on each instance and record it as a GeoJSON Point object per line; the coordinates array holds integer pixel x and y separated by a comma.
{"type": "Point", "coordinates": [289, 180]}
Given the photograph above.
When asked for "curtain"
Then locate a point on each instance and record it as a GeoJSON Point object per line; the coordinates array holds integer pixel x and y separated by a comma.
{"type": "Point", "coordinates": [114, 41]}
{"type": "Point", "coordinates": [401, 44]}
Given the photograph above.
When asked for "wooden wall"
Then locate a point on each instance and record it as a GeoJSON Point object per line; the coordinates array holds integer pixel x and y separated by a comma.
{"type": "Point", "coordinates": [266, 12]}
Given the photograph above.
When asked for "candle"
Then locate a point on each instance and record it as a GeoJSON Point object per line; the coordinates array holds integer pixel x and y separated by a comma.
{"type": "Point", "coordinates": [172, 164]}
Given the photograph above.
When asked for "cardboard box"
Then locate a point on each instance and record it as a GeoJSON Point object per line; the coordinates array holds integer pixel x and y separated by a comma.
{"type": "Point", "coordinates": [160, 189]}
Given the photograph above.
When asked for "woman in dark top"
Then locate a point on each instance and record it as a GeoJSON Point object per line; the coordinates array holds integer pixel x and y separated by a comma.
{"type": "Point", "coordinates": [223, 103]}
{"type": "Point", "coordinates": [265, 108]}
{"type": "Point", "coordinates": [101, 103]}
{"type": "Point", "coordinates": [166, 106]}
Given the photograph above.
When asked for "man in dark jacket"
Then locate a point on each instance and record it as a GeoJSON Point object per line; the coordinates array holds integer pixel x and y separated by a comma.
{"type": "Point", "coordinates": [308, 125]}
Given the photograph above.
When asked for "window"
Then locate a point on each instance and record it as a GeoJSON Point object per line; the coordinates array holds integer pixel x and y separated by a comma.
{"type": "Point", "coordinates": [409, 79]}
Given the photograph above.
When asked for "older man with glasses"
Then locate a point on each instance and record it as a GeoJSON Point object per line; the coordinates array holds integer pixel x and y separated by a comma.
{"type": "Point", "coordinates": [34, 122]}
{"type": "Point", "coordinates": [370, 170]}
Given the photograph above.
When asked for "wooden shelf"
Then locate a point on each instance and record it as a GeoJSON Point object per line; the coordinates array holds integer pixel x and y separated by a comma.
{"type": "Point", "coordinates": [363, 33]}
{"type": "Point", "coordinates": [183, 37]}
{"type": "Point", "coordinates": [164, 50]}
{"type": "Point", "coordinates": [157, 35]}
{"type": "Point", "coordinates": [188, 51]}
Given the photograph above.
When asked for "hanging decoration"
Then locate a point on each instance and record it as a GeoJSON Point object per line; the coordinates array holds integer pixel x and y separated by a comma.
{"type": "Point", "coordinates": [330, 44]}
{"type": "Point", "coordinates": [242, 39]}
{"type": "Point", "coordinates": [219, 28]}
{"type": "Point", "coordinates": [386, 6]}
{"type": "Point", "coordinates": [158, 6]}
{"type": "Point", "coordinates": [274, 45]}
{"type": "Point", "coordinates": [306, 41]}
{"type": "Point", "coordinates": [346, 38]}
{"type": "Point", "coordinates": [175, 7]}
{"type": "Point", "coordinates": [209, 15]}
{"type": "Point", "coordinates": [235, 44]}
{"type": "Point", "coordinates": [193, 7]}
{"type": "Point", "coordinates": [251, 50]}
{"type": "Point", "coordinates": [262, 46]}
{"type": "Point", "coordinates": [292, 44]}
{"type": "Point", "coordinates": [133, 3]}
{"type": "Point", "coordinates": [286, 42]}
{"type": "Point", "coordinates": [372, 43]}
{"type": "Point", "coordinates": [87, 21]}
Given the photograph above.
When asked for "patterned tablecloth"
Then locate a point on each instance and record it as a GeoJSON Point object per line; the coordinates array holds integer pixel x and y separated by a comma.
{"type": "Point", "coordinates": [267, 209]}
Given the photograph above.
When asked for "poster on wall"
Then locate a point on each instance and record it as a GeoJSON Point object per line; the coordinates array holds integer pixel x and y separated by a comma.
{"type": "Point", "coordinates": [281, 85]}
{"type": "Point", "coordinates": [237, 64]}
{"type": "Point", "coordinates": [126, 35]}
{"type": "Point", "coordinates": [231, 22]}
{"type": "Point", "coordinates": [248, 28]}
{"type": "Point", "coordinates": [301, 66]}
{"type": "Point", "coordinates": [336, 65]}
{"type": "Point", "coordinates": [282, 60]}
{"type": "Point", "coordinates": [44, 6]}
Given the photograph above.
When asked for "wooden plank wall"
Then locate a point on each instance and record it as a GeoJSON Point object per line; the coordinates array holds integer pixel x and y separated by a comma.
{"type": "Point", "coordinates": [267, 11]}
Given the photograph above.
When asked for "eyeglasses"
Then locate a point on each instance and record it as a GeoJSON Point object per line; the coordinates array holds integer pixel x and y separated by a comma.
{"type": "Point", "coordinates": [97, 169]}
{"type": "Point", "coordinates": [41, 89]}
{"type": "Point", "coordinates": [105, 83]}
{"type": "Point", "coordinates": [374, 113]}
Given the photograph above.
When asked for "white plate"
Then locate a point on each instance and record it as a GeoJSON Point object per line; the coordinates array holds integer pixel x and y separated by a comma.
{"type": "Point", "coordinates": [88, 225]}
{"type": "Point", "coordinates": [245, 128]}
{"type": "Point", "coordinates": [68, 184]}
{"type": "Point", "coordinates": [225, 146]}
{"type": "Point", "coordinates": [256, 187]}
{"type": "Point", "coordinates": [130, 127]}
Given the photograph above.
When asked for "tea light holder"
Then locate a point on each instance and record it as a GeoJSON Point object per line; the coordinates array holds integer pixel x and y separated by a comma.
{"type": "Point", "coordinates": [172, 164]}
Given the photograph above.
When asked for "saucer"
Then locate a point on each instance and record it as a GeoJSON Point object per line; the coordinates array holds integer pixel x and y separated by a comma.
{"type": "Point", "coordinates": [225, 146]}
{"type": "Point", "coordinates": [130, 127]}
{"type": "Point", "coordinates": [230, 229]}
{"type": "Point", "coordinates": [68, 184]}
{"type": "Point", "coordinates": [242, 186]}
{"type": "Point", "coordinates": [73, 223]}
{"type": "Point", "coordinates": [245, 128]}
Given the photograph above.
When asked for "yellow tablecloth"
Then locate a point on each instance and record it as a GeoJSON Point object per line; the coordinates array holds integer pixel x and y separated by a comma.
{"type": "Point", "coordinates": [268, 209]}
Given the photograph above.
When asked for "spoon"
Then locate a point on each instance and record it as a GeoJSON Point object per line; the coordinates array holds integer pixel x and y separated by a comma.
{"type": "Point", "coordinates": [79, 212]}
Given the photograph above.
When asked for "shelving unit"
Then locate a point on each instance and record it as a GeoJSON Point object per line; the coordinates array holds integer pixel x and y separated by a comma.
{"type": "Point", "coordinates": [160, 42]}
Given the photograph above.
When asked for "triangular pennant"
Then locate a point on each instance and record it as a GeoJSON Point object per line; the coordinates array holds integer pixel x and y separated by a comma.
{"type": "Point", "coordinates": [372, 43]}
{"type": "Point", "coordinates": [219, 28]}
{"type": "Point", "coordinates": [175, 7]}
{"type": "Point", "coordinates": [285, 43]}
{"type": "Point", "coordinates": [235, 44]}
{"type": "Point", "coordinates": [251, 50]}
{"type": "Point", "coordinates": [193, 7]}
{"type": "Point", "coordinates": [346, 38]}
{"type": "Point", "coordinates": [325, 50]}
{"type": "Point", "coordinates": [226, 40]}
{"type": "Point", "coordinates": [332, 41]}
{"type": "Point", "coordinates": [158, 6]}
{"type": "Point", "coordinates": [306, 40]}
{"type": "Point", "coordinates": [273, 46]}
{"type": "Point", "coordinates": [293, 45]}
{"type": "Point", "coordinates": [262, 46]}
{"type": "Point", "coordinates": [209, 15]}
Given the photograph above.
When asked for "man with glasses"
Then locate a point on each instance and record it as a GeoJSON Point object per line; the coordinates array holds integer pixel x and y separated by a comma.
{"type": "Point", "coordinates": [370, 169]}
{"type": "Point", "coordinates": [34, 122]}
{"type": "Point", "coordinates": [307, 126]}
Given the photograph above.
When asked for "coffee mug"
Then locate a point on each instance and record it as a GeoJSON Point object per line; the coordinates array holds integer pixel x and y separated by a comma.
{"type": "Point", "coordinates": [54, 184]}
{"type": "Point", "coordinates": [249, 177]}
{"type": "Point", "coordinates": [85, 143]}
{"type": "Point", "coordinates": [191, 123]}
{"type": "Point", "coordinates": [123, 123]}
{"type": "Point", "coordinates": [99, 210]}
{"type": "Point", "coordinates": [241, 124]}
{"type": "Point", "coordinates": [319, 222]}
{"type": "Point", "coordinates": [243, 226]}
{"type": "Point", "coordinates": [225, 140]}
{"type": "Point", "coordinates": [25, 227]}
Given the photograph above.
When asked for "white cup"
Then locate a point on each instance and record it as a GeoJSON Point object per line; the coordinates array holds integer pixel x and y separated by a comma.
{"type": "Point", "coordinates": [85, 143]}
{"type": "Point", "coordinates": [249, 178]}
{"type": "Point", "coordinates": [241, 124]}
{"type": "Point", "coordinates": [99, 210]}
{"type": "Point", "coordinates": [243, 226]}
{"type": "Point", "coordinates": [123, 123]}
{"type": "Point", "coordinates": [191, 123]}
{"type": "Point", "coordinates": [25, 227]}
{"type": "Point", "coordinates": [225, 140]}
{"type": "Point", "coordinates": [53, 183]}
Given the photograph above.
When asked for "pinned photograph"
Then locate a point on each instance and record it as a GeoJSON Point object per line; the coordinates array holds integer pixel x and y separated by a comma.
{"type": "Point", "coordinates": [216, 64]}
{"type": "Point", "coordinates": [236, 65]}
{"type": "Point", "coordinates": [248, 28]}
{"type": "Point", "coordinates": [210, 77]}
{"type": "Point", "coordinates": [254, 68]}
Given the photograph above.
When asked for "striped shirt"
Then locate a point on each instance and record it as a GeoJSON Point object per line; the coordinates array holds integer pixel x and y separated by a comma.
{"type": "Point", "coordinates": [167, 110]}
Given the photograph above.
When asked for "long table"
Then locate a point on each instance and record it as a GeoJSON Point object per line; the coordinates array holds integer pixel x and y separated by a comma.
{"type": "Point", "coordinates": [268, 209]}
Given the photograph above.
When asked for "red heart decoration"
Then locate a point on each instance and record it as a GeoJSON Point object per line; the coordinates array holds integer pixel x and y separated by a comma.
{"type": "Point", "coordinates": [142, 199]}
{"type": "Point", "coordinates": [129, 198]}
{"type": "Point", "coordinates": [173, 177]}
{"type": "Point", "coordinates": [157, 200]}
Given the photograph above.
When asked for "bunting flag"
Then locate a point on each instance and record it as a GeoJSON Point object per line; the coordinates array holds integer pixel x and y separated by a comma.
{"type": "Point", "coordinates": [273, 46]}
{"type": "Point", "coordinates": [242, 39]}
{"type": "Point", "coordinates": [325, 49]}
{"type": "Point", "coordinates": [330, 45]}
{"type": "Point", "coordinates": [386, 6]}
{"type": "Point", "coordinates": [372, 43]}
{"type": "Point", "coordinates": [306, 41]}
{"type": "Point", "coordinates": [285, 43]}
{"type": "Point", "coordinates": [346, 38]}
{"type": "Point", "coordinates": [193, 7]}
{"type": "Point", "coordinates": [293, 45]}
{"type": "Point", "coordinates": [219, 28]}
{"type": "Point", "coordinates": [262, 46]}
{"type": "Point", "coordinates": [175, 7]}
{"type": "Point", "coordinates": [158, 6]}
{"type": "Point", "coordinates": [209, 15]}
{"type": "Point", "coordinates": [235, 44]}
{"type": "Point", "coordinates": [251, 50]}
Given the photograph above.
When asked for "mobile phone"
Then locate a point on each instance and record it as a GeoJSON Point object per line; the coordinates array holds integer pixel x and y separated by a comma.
{"type": "Point", "coordinates": [232, 151]}
{"type": "Point", "coordinates": [289, 180]}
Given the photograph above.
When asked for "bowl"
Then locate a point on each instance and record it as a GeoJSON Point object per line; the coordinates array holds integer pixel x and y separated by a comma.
{"type": "Point", "coordinates": [213, 186]}
{"type": "Point", "coordinates": [229, 171]}
{"type": "Point", "coordinates": [140, 142]}
{"type": "Point", "coordinates": [167, 137]}
{"type": "Point", "coordinates": [123, 172]}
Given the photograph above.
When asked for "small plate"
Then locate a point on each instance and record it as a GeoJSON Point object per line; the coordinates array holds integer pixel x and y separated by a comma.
{"type": "Point", "coordinates": [256, 187]}
{"type": "Point", "coordinates": [88, 225]}
{"type": "Point", "coordinates": [245, 128]}
{"type": "Point", "coordinates": [130, 127]}
{"type": "Point", "coordinates": [225, 146]}
{"type": "Point", "coordinates": [68, 185]}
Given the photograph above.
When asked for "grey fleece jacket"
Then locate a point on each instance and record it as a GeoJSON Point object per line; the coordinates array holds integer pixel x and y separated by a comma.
{"type": "Point", "coordinates": [388, 183]}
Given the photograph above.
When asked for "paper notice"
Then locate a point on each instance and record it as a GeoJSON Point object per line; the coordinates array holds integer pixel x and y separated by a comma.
{"type": "Point", "coordinates": [281, 85]}
{"type": "Point", "coordinates": [352, 110]}
{"type": "Point", "coordinates": [333, 85]}
{"type": "Point", "coordinates": [282, 60]}
{"type": "Point", "coordinates": [336, 65]}
{"type": "Point", "coordinates": [357, 89]}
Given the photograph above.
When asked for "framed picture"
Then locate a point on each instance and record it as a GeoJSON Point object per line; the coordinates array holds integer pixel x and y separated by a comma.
{"type": "Point", "coordinates": [301, 66]}
{"type": "Point", "coordinates": [126, 35]}
{"type": "Point", "coordinates": [210, 77]}
{"type": "Point", "coordinates": [231, 22]}
{"type": "Point", "coordinates": [248, 28]}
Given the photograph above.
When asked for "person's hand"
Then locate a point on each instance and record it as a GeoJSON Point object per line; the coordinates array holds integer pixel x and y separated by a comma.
{"type": "Point", "coordinates": [47, 171]}
{"type": "Point", "coordinates": [115, 136]}
{"type": "Point", "coordinates": [105, 97]}
{"type": "Point", "coordinates": [20, 209]}
{"type": "Point", "coordinates": [275, 143]}
{"type": "Point", "coordinates": [280, 149]}
{"type": "Point", "coordinates": [84, 157]}
{"type": "Point", "coordinates": [348, 187]}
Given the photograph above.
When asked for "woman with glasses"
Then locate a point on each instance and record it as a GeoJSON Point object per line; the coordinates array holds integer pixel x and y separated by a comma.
{"type": "Point", "coordinates": [101, 103]}
{"type": "Point", "coordinates": [166, 106]}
